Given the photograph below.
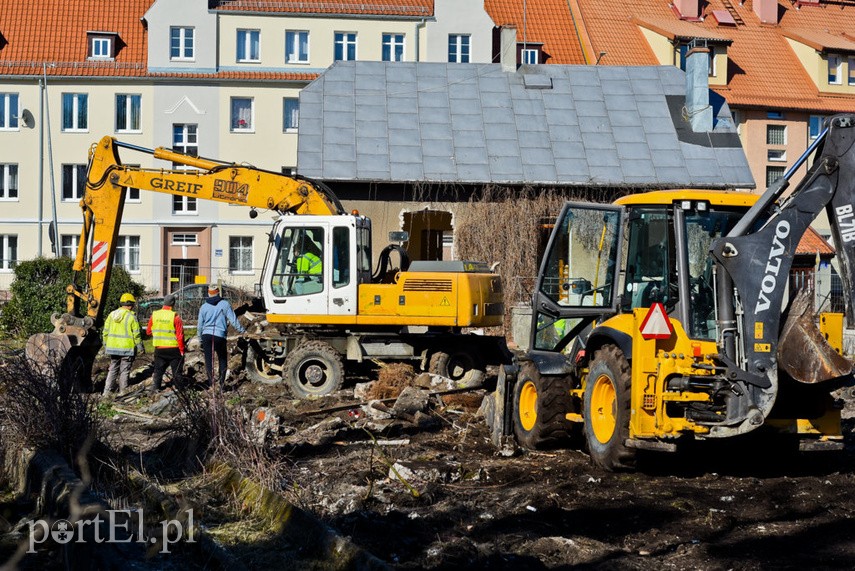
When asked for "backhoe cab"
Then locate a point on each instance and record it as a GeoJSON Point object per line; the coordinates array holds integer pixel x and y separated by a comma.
{"type": "Point", "coordinates": [666, 317]}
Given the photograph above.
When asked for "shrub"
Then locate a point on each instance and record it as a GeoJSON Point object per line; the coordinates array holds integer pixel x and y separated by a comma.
{"type": "Point", "coordinates": [38, 290]}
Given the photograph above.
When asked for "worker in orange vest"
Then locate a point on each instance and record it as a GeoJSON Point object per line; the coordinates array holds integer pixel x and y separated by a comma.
{"type": "Point", "coordinates": [167, 332]}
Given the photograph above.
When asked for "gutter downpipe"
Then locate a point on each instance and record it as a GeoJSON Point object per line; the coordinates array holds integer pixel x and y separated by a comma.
{"type": "Point", "coordinates": [54, 223]}
{"type": "Point", "coordinates": [420, 24]}
{"type": "Point", "coordinates": [41, 164]}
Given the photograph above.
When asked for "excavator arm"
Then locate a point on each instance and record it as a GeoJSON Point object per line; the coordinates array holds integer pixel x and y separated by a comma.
{"type": "Point", "coordinates": [103, 204]}
{"type": "Point", "coordinates": [754, 271]}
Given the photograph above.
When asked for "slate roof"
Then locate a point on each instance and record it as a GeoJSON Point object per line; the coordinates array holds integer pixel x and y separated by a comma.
{"type": "Point", "coordinates": [474, 123]}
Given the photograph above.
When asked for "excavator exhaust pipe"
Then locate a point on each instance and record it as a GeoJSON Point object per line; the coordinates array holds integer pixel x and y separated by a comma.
{"type": "Point", "coordinates": [803, 352]}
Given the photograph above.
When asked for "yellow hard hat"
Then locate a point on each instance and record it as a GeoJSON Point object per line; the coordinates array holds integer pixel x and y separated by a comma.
{"type": "Point", "coordinates": [127, 298]}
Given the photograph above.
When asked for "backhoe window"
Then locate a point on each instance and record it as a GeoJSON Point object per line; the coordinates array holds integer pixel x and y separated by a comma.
{"type": "Point", "coordinates": [363, 250]}
{"type": "Point", "coordinates": [299, 267]}
{"type": "Point", "coordinates": [341, 256]}
{"type": "Point", "coordinates": [650, 270]}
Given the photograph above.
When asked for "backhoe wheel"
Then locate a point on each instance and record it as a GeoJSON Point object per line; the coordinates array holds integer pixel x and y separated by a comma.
{"type": "Point", "coordinates": [313, 368]}
{"type": "Point", "coordinates": [258, 369]}
{"type": "Point", "coordinates": [463, 367]}
{"type": "Point", "coordinates": [540, 406]}
{"type": "Point", "coordinates": [607, 410]}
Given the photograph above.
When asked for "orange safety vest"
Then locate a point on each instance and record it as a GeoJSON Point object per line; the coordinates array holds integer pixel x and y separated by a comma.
{"type": "Point", "coordinates": [163, 328]}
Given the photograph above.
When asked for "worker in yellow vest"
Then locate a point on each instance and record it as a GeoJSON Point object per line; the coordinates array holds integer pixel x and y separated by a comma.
{"type": "Point", "coordinates": [309, 269]}
{"type": "Point", "coordinates": [167, 332]}
{"type": "Point", "coordinates": [122, 341]}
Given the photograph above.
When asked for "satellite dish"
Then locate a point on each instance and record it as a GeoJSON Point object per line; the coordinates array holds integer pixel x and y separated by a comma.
{"type": "Point", "coordinates": [27, 119]}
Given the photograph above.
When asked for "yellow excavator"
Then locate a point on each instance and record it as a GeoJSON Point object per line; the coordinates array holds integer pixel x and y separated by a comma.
{"type": "Point", "coordinates": [338, 310]}
{"type": "Point", "coordinates": [669, 317]}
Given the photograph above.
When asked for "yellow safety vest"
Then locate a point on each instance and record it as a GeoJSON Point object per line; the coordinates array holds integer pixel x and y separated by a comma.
{"type": "Point", "coordinates": [163, 328]}
{"type": "Point", "coordinates": [308, 263]}
{"type": "Point", "coordinates": [121, 332]}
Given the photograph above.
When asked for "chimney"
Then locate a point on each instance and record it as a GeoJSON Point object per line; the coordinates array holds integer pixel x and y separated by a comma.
{"type": "Point", "coordinates": [508, 48]}
{"type": "Point", "coordinates": [698, 89]}
{"type": "Point", "coordinates": [688, 9]}
{"type": "Point", "coordinates": [766, 10]}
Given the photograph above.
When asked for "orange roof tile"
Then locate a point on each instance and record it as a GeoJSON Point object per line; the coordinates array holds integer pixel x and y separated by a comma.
{"type": "Point", "coordinates": [415, 8]}
{"type": "Point", "coordinates": [547, 22]}
{"type": "Point", "coordinates": [821, 40]}
{"type": "Point", "coordinates": [763, 69]}
{"type": "Point", "coordinates": [813, 243]}
{"type": "Point", "coordinates": [678, 29]}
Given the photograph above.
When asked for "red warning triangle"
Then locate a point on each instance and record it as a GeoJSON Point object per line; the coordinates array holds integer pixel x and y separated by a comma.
{"type": "Point", "coordinates": [656, 324]}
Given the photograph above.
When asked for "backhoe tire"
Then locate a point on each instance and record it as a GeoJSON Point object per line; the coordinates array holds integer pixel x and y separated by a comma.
{"type": "Point", "coordinates": [313, 368]}
{"type": "Point", "coordinates": [258, 368]}
{"type": "Point", "coordinates": [465, 368]}
{"type": "Point", "coordinates": [607, 410]}
{"type": "Point", "coordinates": [540, 408]}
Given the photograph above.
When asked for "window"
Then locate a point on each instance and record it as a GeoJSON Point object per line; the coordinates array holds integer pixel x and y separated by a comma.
{"type": "Point", "coordinates": [341, 256]}
{"type": "Point", "coordinates": [8, 181]}
{"type": "Point", "coordinates": [775, 115]}
{"type": "Point", "coordinates": [530, 56]}
{"type": "Point", "coordinates": [776, 155]}
{"type": "Point", "coordinates": [185, 139]}
{"type": "Point", "coordinates": [851, 65]}
{"type": "Point", "coordinates": [100, 47]}
{"type": "Point", "coordinates": [181, 46]}
{"type": "Point", "coordinates": [73, 182]}
{"type": "Point", "coordinates": [345, 46]}
{"type": "Point", "coordinates": [75, 111]}
{"type": "Point", "coordinates": [290, 114]}
{"type": "Point", "coordinates": [835, 69]}
{"type": "Point", "coordinates": [248, 45]}
{"type": "Point", "coordinates": [776, 135]}
{"type": "Point", "coordinates": [815, 126]}
{"type": "Point", "coordinates": [712, 70]}
{"type": "Point", "coordinates": [127, 112]}
{"type": "Point", "coordinates": [296, 46]}
{"type": "Point", "coordinates": [241, 114]}
{"type": "Point", "coordinates": [773, 174]}
{"type": "Point", "coordinates": [299, 266]}
{"type": "Point", "coordinates": [458, 48]}
{"type": "Point", "coordinates": [128, 253]}
{"type": "Point", "coordinates": [393, 47]}
{"type": "Point", "coordinates": [185, 240]}
{"type": "Point", "coordinates": [289, 171]}
{"type": "Point", "coordinates": [68, 245]}
{"type": "Point", "coordinates": [132, 194]}
{"type": "Point", "coordinates": [8, 251]}
{"type": "Point", "coordinates": [240, 254]}
{"type": "Point", "coordinates": [8, 111]}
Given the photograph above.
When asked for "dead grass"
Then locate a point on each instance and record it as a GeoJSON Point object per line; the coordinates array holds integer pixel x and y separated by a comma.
{"type": "Point", "coordinates": [391, 380]}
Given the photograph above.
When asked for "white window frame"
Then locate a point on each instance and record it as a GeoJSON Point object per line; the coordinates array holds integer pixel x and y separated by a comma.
{"type": "Point", "coordinates": [526, 52]}
{"type": "Point", "coordinates": [9, 105]}
{"type": "Point", "coordinates": [815, 126]}
{"type": "Point", "coordinates": [241, 250]}
{"type": "Point", "coordinates": [235, 119]}
{"type": "Point", "coordinates": [125, 124]}
{"type": "Point", "coordinates": [456, 54]}
{"type": "Point", "coordinates": [76, 100]}
{"type": "Point", "coordinates": [68, 244]}
{"type": "Point", "coordinates": [77, 182]}
{"type": "Point", "coordinates": [184, 239]}
{"type": "Point", "coordinates": [394, 43]}
{"type": "Point", "coordinates": [344, 41]}
{"type": "Point", "coordinates": [186, 40]}
{"type": "Point", "coordinates": [8, 174]}
{"type": "Point", "coordinates": [8, 252]}
{"type": "Point", "coordinates": [835, 72]}
{"type": "Point", "coordinates": [101, 47]}
{"type": "Point", "coordinates": [246, 38]}
{"type": "Point", "coordinates": [132, 194]}
{"type": "Point", "coordinates": [293, 50]}
{"type": "Point", "coordinates": [776, 155]}
{"type": "Point", "coordinates": [182, 133]}
{"type": "Point", "coordinates": [289, 126]}
{"type": "Point", "coordinates": [126, 247]}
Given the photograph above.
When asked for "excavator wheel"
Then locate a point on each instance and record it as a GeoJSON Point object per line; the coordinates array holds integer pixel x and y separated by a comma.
{"type": "Point", "coordinates": [607, 410]}
{"type": "Point", "coordinates": [258, 369]}
{"type": "Point", "coordinates": [463, 367]}
{"type": "Point", "coordinates": [313, 368]}
{"type": "Point", "coordinates": [540, 406]}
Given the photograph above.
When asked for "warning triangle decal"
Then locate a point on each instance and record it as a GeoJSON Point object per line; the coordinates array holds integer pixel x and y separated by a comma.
{"type": "Point", "coordinates": [656, 324]}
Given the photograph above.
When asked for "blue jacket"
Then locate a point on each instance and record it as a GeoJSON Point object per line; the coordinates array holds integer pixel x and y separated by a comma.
{"type": "Point", "coordinates": [214, 318]}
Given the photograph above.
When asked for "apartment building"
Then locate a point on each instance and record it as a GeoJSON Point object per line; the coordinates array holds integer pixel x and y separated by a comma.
{"type": "Point", "coordinates": [214, 79]}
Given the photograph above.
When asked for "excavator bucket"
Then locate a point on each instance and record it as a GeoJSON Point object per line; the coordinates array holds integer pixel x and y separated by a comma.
{"type": "Point", "coordinates": [69, 350]}
{"type": "Point", "coordinates": [803, 352]}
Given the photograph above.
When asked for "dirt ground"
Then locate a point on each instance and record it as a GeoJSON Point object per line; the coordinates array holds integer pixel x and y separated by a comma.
{"type": "Point", "coordinates": [424, 488]}
{"type": "Point", "coordinates": [420, 486]}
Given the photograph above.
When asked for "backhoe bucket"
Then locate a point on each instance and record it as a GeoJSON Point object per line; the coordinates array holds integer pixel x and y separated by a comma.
{"type": "Point", "coordinates": [803, 352]}
{"type": "Point", "coordinates": [68, 351]}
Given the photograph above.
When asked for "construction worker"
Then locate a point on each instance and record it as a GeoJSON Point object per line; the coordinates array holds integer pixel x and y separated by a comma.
{"type": "Point", "coordinates": [309, 270]}
{"type": "Point", "coordinates": [122, 341]}
{"type": "Point", "coordinates": [167, 331]}
{"type": "Point", "coordinates": [214, 318]}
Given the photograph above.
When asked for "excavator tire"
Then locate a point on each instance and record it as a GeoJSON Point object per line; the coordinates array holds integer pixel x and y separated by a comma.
{"type": "Point", "coordinates": [540, 406]}
{"type": "Point", "coordinates": [259, 370]}
{"type": "Point", "coordinates": [607, 410]}
{"type": "Point", "coordinates": [313, 368]}
{"type": "Point", "coordinates": [466, 369]}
